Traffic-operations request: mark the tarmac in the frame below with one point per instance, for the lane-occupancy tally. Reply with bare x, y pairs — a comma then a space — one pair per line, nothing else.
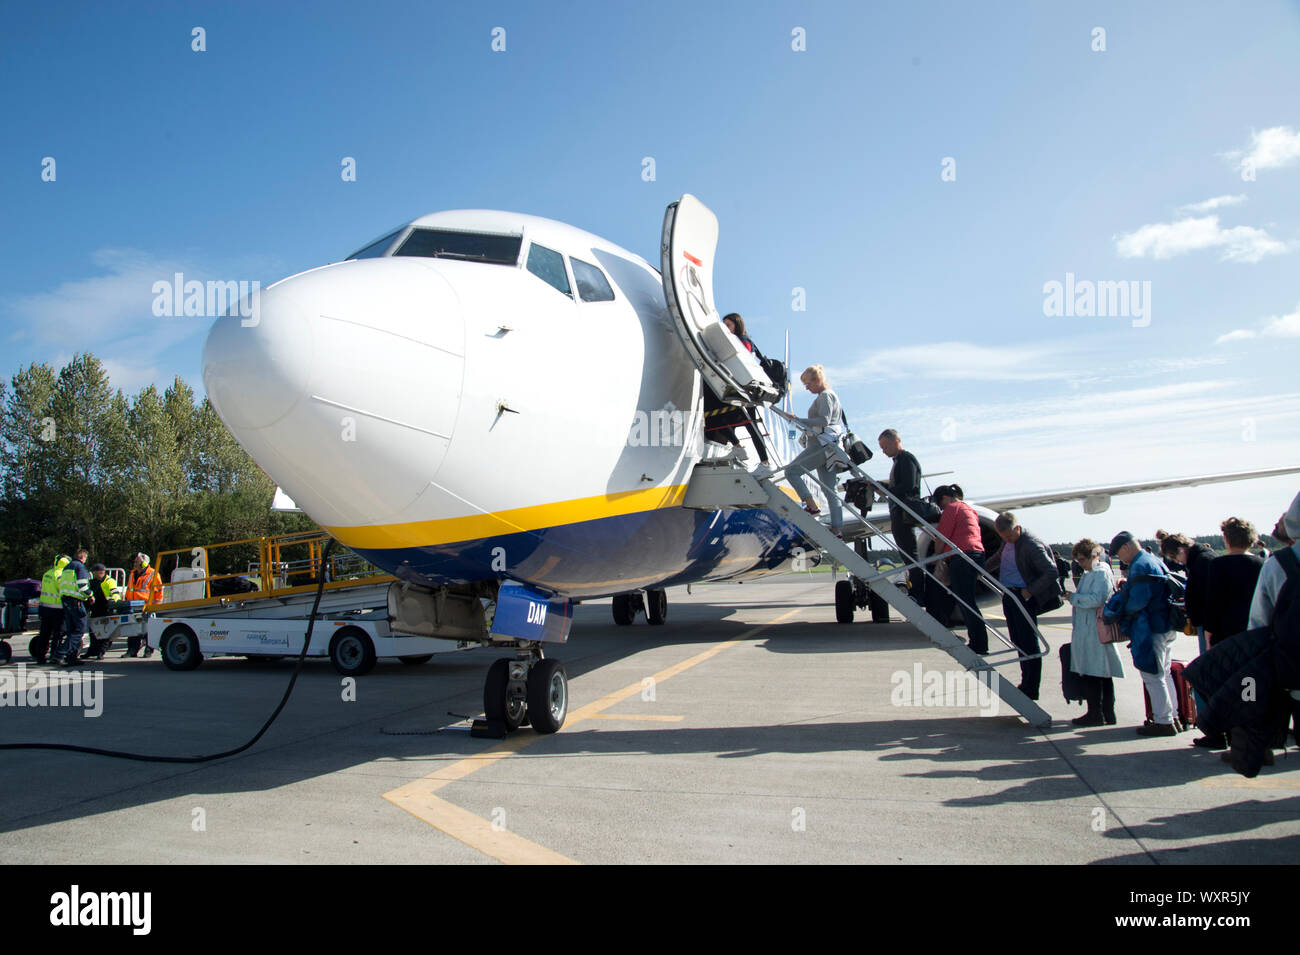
751, 728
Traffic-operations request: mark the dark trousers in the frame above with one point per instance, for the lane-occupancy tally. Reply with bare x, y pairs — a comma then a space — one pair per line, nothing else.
74, 623
1023, 636
51, 632
904, 533
964, 577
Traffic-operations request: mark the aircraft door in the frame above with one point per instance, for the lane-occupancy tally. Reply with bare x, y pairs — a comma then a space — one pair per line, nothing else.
690, 237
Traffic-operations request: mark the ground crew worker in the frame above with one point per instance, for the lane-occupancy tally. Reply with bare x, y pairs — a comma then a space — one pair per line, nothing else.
142, 583
47, 642
74, 588
104, 591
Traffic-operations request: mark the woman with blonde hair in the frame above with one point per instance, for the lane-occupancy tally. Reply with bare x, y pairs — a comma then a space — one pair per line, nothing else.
826, 422
1098, 663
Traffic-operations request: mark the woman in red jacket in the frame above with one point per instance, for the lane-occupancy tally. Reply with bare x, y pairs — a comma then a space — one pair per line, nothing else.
961, 525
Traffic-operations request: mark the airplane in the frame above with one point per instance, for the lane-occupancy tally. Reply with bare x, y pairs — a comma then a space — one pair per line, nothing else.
504, 412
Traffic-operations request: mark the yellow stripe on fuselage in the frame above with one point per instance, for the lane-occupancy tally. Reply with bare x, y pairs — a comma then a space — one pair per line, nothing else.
517, 520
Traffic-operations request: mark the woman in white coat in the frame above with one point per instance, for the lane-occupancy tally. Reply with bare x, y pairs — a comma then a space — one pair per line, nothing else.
1098, 663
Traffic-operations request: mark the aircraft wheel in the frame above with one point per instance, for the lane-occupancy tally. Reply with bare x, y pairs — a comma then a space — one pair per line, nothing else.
39, 648
623, 609
879, 608
351, 652
497, 704
180, 648
656, 607
843, 601
418, 659
548, 696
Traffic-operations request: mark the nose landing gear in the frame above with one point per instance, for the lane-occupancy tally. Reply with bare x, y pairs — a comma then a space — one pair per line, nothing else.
529, 689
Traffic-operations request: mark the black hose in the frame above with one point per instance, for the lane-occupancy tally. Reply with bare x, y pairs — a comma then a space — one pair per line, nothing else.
140, 757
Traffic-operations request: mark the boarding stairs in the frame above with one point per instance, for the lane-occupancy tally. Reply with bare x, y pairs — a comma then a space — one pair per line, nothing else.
718, 485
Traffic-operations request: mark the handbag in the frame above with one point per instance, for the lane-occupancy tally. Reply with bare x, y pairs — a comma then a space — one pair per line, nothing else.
1109, 632
853, 446
942, 572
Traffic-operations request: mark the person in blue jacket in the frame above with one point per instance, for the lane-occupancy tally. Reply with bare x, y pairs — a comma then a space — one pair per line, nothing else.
1142, 608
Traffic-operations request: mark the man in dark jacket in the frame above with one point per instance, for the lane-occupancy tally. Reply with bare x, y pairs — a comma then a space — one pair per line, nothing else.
1026, 567
905, 483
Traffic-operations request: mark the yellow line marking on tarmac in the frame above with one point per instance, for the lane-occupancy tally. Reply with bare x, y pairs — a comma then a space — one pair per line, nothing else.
417, 797
648, 717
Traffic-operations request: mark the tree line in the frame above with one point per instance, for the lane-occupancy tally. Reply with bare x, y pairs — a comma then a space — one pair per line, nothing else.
84, 465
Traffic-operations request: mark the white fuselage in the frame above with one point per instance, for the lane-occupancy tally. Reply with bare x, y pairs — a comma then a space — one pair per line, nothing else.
457, 420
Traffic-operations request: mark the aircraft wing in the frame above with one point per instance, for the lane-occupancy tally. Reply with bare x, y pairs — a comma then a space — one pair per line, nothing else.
1096, 500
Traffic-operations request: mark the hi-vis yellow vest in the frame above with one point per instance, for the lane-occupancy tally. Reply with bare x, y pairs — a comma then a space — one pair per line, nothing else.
50, 585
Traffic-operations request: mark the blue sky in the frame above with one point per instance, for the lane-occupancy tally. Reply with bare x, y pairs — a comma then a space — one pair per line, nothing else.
925, 296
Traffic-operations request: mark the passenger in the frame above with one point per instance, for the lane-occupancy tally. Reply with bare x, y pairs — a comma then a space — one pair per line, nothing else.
1026, 567
904, 483
1143, 607
736, 325
1195, 559
825, 419
1230, 583
1096, 662
960, 524
1229, 588
1276, 669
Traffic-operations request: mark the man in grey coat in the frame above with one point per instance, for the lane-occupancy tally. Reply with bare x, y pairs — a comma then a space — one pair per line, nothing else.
1026, 567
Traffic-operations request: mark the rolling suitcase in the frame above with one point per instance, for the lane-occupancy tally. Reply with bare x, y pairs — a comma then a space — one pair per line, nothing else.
1185, 704
1072, 685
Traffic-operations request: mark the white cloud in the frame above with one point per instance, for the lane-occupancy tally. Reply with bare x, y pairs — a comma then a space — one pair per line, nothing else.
1070, 362
952, 361
1236, 335
1275, 326
1164, 240
1211, 204
1271, 148
1283, 326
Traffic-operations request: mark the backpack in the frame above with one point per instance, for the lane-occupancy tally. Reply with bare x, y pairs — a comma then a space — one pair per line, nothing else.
1175, 601
774, 370
1285, 624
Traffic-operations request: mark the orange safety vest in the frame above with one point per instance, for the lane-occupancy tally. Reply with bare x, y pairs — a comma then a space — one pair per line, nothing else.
145, 585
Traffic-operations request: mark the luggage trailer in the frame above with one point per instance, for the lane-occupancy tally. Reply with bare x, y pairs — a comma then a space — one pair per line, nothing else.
262, 611
352, 629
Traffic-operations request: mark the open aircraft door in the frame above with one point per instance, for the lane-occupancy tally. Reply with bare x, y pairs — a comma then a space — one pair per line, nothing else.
686, 249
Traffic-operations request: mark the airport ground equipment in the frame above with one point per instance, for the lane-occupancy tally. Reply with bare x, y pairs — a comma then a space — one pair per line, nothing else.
253, 598
715, 485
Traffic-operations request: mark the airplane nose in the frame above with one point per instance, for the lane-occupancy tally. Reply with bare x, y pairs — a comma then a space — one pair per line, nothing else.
344, 383
257, 367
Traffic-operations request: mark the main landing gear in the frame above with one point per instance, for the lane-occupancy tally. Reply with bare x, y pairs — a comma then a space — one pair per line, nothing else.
853, 594
653, 603
529, 689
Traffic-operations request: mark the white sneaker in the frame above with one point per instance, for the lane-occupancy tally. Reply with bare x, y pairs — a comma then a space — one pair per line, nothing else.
762, 471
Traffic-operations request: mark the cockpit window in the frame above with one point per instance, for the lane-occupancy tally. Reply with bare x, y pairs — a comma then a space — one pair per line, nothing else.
375, 249
548, 265
591, 282
470, 246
